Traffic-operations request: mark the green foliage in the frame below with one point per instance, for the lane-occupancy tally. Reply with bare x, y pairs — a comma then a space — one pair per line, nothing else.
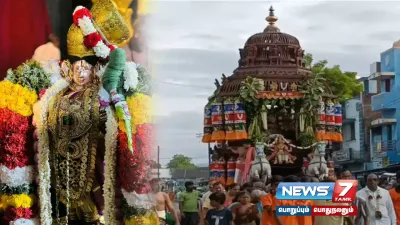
313, 89
250, 88
343, 85
144, 85
30, 75
181, 162
308, 58
129, 211
248, 95
307, 139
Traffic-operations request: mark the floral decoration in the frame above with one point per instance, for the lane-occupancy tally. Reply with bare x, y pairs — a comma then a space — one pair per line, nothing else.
92, 40
18, 213
16, 201
22, 189
141, 110
109, 167
375, 205
131, 76
17, 98
378, 214
133, 167
30, 75
16, 177
43, 152
34, 221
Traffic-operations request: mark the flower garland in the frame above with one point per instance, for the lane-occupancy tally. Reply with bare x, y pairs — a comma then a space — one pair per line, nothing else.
34, 221
23, 189
371, 196
131, 76
30, 75
16, 177
43, 152
18, 213
138, 200
17, 98
18, 94
109, 172
141, 110
16, 201
92, 40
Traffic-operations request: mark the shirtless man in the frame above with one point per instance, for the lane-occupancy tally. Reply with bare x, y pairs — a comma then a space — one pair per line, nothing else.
163, 203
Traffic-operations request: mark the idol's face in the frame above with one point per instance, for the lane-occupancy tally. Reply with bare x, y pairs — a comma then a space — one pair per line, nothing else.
82, 73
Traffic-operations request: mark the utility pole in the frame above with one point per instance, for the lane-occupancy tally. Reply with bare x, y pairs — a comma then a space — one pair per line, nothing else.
158, 162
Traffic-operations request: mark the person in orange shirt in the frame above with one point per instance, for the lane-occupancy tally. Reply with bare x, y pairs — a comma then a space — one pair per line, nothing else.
395, 195
269, 202
289, 220
305, 220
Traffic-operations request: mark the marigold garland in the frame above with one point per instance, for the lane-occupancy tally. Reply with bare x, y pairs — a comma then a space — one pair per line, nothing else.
16, 201
140, 108
17, 98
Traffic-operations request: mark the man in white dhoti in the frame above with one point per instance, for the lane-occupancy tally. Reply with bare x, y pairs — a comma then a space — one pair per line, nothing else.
379, 203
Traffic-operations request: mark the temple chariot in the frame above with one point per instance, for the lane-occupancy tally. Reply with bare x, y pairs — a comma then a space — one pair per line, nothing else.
272, 115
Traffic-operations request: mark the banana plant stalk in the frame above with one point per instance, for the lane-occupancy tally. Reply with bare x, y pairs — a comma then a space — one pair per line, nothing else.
302, 120
264, 116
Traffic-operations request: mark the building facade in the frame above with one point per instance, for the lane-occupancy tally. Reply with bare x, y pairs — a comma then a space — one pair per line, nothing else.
383, 132
351, 154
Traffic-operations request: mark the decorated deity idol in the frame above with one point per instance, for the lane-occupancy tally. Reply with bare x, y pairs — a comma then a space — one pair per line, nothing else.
97, 110
281, 152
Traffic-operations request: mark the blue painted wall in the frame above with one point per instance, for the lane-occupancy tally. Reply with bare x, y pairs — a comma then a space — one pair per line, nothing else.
389, 103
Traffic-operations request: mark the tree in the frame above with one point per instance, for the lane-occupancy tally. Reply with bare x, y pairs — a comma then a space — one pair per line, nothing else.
181, 162
308, 58
343, 85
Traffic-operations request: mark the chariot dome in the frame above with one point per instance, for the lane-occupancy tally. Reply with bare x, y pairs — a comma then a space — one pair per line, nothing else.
270, 55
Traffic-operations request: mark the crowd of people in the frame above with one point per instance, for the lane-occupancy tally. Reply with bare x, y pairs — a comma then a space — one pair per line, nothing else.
254, 203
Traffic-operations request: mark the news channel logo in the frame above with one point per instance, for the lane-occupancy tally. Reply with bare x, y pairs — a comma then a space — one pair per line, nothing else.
343, 191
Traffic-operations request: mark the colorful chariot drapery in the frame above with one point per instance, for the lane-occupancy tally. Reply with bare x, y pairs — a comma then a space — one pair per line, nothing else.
224, 121
230, 171
329, 126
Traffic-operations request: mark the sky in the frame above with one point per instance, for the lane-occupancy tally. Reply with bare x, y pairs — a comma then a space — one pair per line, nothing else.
194, 42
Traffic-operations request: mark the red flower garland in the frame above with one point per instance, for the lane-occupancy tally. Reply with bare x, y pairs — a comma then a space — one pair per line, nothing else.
17, 213
80, 14
12, 162
13, 139
134, 167
92, 39
42, 92
111, 47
